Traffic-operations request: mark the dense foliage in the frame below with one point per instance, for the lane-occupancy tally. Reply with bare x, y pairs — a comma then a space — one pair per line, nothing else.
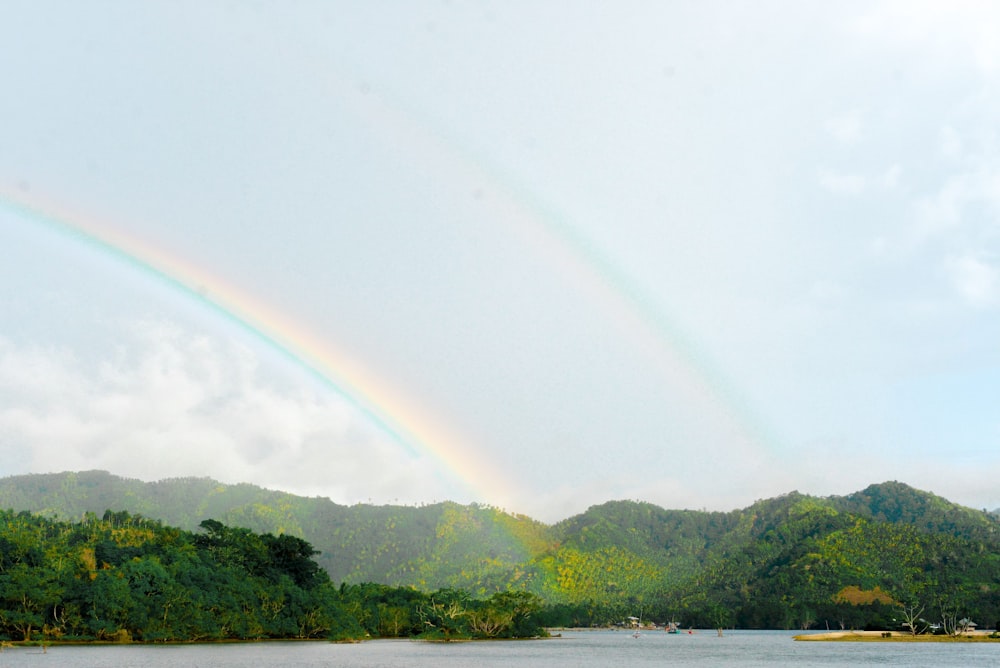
791, 562
438, 546
796, 562
124, 577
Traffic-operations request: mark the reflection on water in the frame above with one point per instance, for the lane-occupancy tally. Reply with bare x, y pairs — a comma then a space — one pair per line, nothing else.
573, 650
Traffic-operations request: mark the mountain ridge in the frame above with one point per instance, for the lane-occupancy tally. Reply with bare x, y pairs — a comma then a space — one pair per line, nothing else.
776, 563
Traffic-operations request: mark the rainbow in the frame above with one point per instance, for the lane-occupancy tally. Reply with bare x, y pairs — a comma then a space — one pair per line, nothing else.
654, 332
387, 408
649, 326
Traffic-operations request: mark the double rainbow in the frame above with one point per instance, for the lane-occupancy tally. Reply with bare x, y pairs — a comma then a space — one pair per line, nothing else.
650, 329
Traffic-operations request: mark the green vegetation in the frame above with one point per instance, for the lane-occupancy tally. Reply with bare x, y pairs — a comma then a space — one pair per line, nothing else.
875, 559
888, 636
126, 578
444, 545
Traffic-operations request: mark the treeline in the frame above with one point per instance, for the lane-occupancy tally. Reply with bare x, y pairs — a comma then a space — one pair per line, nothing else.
435, 546
124, 578
793, 561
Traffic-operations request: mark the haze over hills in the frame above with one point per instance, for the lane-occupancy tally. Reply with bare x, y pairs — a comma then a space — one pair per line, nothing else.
778, 562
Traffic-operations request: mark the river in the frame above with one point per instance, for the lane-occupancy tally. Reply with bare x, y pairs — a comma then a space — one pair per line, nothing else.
578, 649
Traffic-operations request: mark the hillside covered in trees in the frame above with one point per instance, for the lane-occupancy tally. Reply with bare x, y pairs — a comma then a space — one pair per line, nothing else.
794, 561
122, 577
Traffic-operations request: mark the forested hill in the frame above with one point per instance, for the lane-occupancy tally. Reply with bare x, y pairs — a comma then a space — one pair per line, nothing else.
429, 546
780, 562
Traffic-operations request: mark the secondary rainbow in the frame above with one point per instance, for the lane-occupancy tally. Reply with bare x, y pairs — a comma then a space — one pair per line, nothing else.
545, 231
386, 407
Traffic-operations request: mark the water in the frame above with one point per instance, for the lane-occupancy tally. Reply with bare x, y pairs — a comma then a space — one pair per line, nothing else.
587, 649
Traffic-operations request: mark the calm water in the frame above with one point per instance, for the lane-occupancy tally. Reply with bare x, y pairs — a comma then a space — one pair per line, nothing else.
573, 650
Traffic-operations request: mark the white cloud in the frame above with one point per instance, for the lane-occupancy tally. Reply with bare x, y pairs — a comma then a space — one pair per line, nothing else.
941, 32
173, 405
341, 222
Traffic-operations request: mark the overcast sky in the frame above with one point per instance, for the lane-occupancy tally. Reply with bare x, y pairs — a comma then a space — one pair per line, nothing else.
533, 254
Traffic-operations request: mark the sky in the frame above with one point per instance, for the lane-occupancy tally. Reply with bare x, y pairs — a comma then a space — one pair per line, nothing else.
526, 254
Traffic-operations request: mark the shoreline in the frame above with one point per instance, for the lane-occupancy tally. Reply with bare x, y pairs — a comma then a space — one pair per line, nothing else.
50, 642
878, 636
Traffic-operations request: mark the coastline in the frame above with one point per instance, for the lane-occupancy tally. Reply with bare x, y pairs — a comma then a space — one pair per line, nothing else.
878, 636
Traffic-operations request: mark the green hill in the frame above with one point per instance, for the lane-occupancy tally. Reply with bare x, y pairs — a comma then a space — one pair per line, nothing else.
785, 562
434, 546
124, 578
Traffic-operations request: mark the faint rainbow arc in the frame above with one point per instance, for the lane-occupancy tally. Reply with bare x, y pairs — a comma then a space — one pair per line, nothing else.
597, 274
653, 326
387, 409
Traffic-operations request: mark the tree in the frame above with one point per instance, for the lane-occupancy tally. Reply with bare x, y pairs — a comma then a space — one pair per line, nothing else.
106, 604
393, 620
445, 614
293, 557
912, 619
26, 594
